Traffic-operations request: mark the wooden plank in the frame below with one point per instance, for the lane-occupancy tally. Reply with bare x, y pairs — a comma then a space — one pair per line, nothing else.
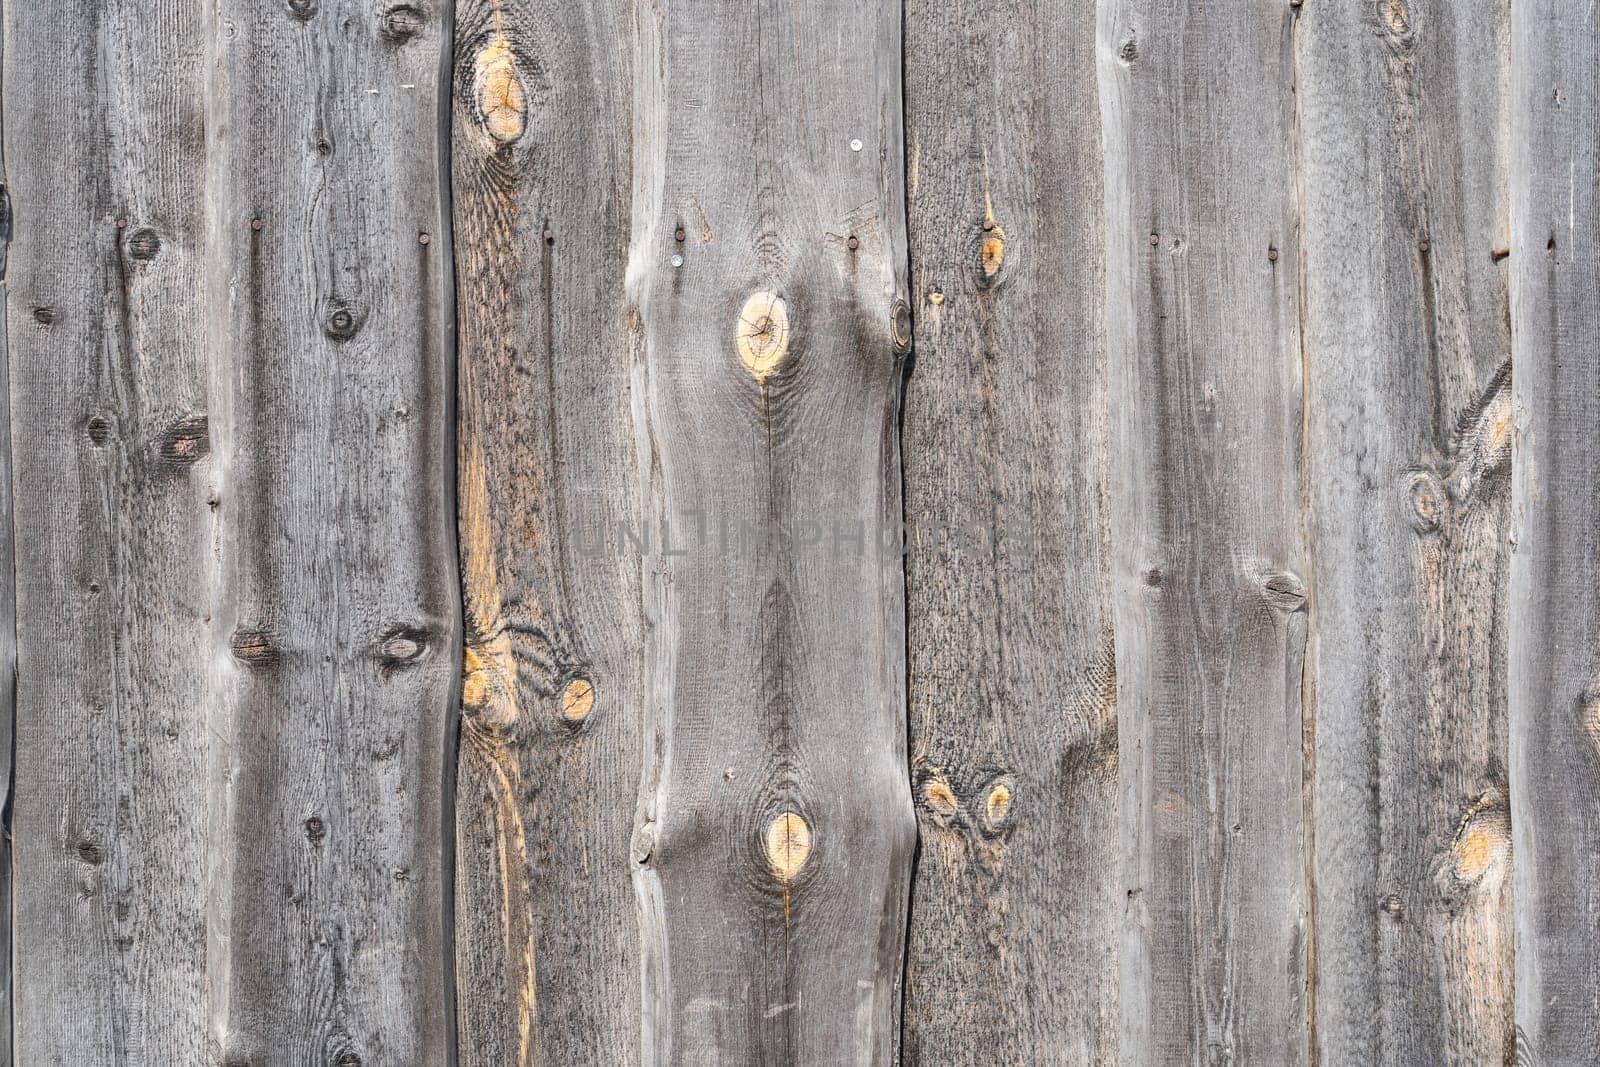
1555, 569
775, 832
105, 314
1404, 150
1209, 561
337, 630
547, 933
1012, 672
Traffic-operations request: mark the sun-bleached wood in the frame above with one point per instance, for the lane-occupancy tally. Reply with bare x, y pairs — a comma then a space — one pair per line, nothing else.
1013, 931
1209, 556
1555, 566
1407, 341
775, 833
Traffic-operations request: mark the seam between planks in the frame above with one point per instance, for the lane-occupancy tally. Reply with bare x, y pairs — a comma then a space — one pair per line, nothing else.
1308, 682
450, 327
907, 367
8, 681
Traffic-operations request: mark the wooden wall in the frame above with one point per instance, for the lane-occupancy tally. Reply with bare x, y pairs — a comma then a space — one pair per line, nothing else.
750, 531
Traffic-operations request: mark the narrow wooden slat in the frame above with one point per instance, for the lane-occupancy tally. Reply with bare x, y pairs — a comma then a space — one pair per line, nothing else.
1209, 559
336, 636
1012, 955
1404, 154
1555, 568
547, 933
105, 310
775, 832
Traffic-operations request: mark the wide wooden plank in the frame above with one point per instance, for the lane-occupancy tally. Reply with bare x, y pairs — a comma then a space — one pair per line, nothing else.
1209, 560
1555, 569
1404, 150
105, 311
336, 634
547, 930
775, 830
1013, 934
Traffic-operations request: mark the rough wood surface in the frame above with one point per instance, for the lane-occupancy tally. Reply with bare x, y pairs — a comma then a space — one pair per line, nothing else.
1209, 567
775, 829
1013, 947
1403, 135
547, 934
1555, 569
105, 315
336, 637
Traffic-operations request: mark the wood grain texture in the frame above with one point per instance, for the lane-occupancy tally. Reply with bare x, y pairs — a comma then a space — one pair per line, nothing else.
1209, 557
547, 934
1013, 947
1555, 569
775, 831
336, 635
105, 314
1404, 150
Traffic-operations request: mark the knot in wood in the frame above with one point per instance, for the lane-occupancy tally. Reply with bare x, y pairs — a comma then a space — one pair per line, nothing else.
993, 253
761, 335
254, 648
1285, 591
185, 441
788, 845
502, 101
900, 327
995, 814
577, 700
144, 245
401, 23
937, 795
1428, 502
342, 324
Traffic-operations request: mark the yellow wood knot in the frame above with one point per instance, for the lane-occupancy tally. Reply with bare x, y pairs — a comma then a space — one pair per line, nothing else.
939, 796
1479, 849
996, 806
762, 334
502, 104
935, 297
1427, 502
1396, 18
994, 253
1484, 841
577, 699
788, 845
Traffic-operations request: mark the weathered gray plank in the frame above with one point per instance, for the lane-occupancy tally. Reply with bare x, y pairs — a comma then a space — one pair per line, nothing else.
105, 323
1012, 955
775, 830
1404, 150
1209, 563
336, 637
547, 931
1555, 569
